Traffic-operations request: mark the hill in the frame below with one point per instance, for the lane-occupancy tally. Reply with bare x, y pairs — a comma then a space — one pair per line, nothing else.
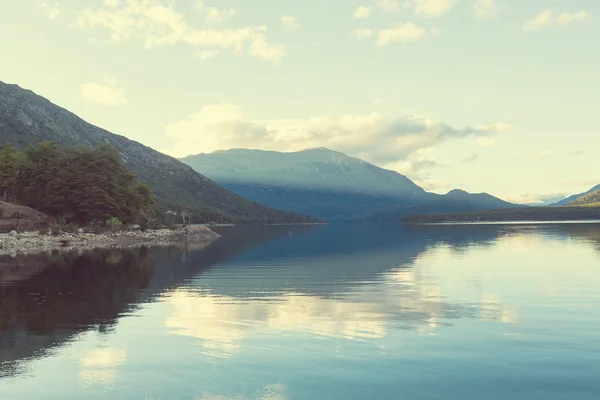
455, 201
26, 118
574, 197
591, 199
566, 213
319, 182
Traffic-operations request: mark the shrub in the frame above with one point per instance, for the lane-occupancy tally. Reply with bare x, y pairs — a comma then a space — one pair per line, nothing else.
70, 228
55, 229
114, 225
44, 230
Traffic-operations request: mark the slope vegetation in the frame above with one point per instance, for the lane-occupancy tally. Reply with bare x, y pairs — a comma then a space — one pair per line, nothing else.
26, 118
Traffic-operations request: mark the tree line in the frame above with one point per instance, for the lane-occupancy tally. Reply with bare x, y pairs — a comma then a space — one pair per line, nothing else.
80, 185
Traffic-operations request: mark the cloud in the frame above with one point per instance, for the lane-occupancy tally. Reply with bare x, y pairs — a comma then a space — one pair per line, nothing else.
390, 6
107, 93
51, 11
290, 22
534, 198
362, 12
371, 137
156, 23
486, 9
547, 18
565, 19
430, 8
408, 32
212, 14
363, 33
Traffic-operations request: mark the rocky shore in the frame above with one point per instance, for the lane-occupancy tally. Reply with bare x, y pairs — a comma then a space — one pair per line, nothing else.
15, 243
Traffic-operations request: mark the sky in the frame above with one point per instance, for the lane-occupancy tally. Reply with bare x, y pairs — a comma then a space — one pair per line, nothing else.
497, 96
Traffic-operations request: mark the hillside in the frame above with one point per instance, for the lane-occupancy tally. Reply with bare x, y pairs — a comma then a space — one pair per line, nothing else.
319, 182
455, 201
574, 197
591, 199
566, 213
26, 118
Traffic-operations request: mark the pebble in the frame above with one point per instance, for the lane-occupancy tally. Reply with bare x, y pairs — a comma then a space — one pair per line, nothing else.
15, 243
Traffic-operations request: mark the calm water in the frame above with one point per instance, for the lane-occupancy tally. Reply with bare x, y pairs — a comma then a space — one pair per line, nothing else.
327, 312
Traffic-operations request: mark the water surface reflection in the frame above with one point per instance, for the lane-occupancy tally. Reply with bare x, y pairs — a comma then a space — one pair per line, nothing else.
285, 306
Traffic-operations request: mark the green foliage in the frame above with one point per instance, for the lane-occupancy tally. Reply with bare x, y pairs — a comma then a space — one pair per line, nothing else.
591, 199
56, 229
79, 185
114, 224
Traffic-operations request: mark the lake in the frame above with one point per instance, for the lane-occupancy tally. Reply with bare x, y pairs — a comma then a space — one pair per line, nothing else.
311, 312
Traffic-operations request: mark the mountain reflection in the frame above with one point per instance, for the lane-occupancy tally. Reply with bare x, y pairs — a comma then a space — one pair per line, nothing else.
355, 282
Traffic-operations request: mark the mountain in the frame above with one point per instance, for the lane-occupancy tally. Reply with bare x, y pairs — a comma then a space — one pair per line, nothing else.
319, 182
590, 199
574, 197
455, 201
26, 118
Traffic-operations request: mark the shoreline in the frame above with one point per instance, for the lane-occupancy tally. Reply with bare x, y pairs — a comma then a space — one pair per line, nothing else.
20, 243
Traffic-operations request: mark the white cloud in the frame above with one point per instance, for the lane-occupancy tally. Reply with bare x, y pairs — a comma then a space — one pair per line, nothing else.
362, 12
388, 5
408, 32
51, 11
430, 8
547, 18
565, 19
543, 19
156, 23
363, 33
212, 14
371, 137
290, 22
111, 3
534, 198
486, 9
107, 93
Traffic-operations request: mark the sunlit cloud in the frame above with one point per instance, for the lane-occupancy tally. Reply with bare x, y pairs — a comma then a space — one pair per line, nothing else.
213, 15
370, 137
406, 33
430, 8
52, 11
156, 23
362, 12
290, 22
548, 18
107, 93
487, 9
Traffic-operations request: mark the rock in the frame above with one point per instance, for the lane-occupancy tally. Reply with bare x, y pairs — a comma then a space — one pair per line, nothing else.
13, 233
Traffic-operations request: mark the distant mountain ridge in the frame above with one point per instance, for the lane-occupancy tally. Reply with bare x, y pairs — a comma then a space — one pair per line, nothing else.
26, 118
329, 184
318, 182
455, 201
317, 169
